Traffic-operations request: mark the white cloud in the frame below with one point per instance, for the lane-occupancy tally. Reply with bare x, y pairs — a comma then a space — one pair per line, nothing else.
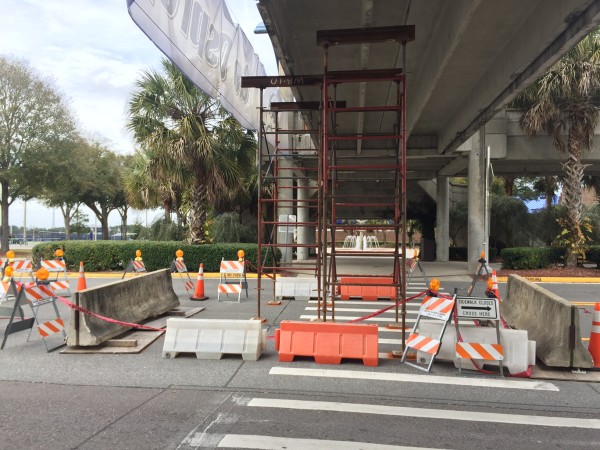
94, 52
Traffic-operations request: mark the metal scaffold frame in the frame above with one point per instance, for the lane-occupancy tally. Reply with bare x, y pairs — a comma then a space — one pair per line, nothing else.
330, 202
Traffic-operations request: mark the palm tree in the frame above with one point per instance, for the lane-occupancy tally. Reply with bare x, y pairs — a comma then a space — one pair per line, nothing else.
190, 141
562, 103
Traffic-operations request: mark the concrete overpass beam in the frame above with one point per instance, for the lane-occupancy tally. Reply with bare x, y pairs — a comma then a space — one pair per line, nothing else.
442, 234
450, 26
475, 222
525, 57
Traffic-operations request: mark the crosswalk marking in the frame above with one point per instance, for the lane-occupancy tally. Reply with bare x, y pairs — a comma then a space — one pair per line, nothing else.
415, 303
378, 319
360, 310
276, 442
470, 416
412, 378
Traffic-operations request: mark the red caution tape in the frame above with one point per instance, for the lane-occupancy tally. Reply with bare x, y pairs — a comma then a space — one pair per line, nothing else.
107, 319
387, 308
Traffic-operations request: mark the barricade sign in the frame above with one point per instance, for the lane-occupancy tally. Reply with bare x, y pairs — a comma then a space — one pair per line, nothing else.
478, 309
57, 267
22, 267
14, 326
36, 296
229, 289
437, 308
233, 272
412, 264
135, 267
178, 265
483, 269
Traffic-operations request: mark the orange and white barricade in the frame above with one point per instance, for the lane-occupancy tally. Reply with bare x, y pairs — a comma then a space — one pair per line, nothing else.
437, 308
413, 263
57, 267
23, 267
135, 266
36, 295
233, 272
229, 289
178, 265
39, 295
15, 325
479, 309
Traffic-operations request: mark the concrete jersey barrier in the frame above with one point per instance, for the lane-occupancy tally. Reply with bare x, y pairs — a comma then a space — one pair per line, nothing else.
550, 320
131, 300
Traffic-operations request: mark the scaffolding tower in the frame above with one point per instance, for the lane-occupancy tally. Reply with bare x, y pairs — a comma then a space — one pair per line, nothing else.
338, 157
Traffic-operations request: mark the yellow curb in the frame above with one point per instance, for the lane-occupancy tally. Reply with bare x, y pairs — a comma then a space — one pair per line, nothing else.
584, 303
130, 274
556, 279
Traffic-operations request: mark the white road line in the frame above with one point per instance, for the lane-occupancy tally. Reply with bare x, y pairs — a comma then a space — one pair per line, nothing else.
276, 443
414, 302
361, 310
412, 378
469, 416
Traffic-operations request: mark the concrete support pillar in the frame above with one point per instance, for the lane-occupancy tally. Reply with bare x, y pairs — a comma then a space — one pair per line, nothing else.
302, 214
285, 209
442, 225
476, 192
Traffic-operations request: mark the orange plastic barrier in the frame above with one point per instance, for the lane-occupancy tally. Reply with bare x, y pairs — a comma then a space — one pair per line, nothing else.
370, 293
327, 342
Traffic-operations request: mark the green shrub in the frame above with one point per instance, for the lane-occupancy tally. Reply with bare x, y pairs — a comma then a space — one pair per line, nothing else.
531, 257
162, 230
457, 253
461, 254
227, 228
593, 255
115, 255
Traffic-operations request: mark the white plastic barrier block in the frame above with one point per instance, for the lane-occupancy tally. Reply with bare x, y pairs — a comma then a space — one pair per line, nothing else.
519, 352
210, 339
299, 288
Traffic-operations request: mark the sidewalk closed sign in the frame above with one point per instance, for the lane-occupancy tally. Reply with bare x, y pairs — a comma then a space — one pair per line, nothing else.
477, 308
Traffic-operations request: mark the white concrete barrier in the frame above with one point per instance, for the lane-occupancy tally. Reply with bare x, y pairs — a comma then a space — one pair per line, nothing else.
298, 288
519, 352
210, 339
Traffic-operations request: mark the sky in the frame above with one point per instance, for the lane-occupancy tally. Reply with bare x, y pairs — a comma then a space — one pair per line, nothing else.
93, 53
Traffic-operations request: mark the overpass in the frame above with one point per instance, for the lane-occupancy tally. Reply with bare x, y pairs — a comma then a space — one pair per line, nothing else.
378, 96
468, 60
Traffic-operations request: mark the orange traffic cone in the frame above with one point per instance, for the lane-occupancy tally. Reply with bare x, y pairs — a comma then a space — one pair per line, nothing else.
81, 284
199, 291
594, 345
495, 284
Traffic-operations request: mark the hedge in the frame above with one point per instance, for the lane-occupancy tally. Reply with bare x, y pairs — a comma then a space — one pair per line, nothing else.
460, 254
593, 255
115, 255
532, 257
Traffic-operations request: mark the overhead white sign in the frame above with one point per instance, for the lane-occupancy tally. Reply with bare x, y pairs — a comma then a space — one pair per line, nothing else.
477, 308
200, 37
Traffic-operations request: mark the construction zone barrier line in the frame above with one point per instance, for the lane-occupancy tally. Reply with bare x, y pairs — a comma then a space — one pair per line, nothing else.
106, 319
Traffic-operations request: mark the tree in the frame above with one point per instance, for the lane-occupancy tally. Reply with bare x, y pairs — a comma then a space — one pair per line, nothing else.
34, 121
106, 193
562, 103
64, 180
187, 135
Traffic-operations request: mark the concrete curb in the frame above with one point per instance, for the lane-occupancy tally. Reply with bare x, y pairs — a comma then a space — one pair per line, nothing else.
556, 279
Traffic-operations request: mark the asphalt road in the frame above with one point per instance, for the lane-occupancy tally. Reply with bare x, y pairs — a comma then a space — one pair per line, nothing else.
142, 401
